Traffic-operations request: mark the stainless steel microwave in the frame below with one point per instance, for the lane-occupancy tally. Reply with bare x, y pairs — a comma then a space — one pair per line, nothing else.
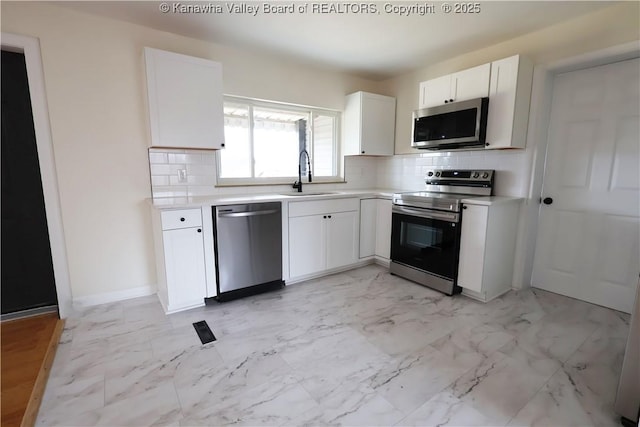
452, 126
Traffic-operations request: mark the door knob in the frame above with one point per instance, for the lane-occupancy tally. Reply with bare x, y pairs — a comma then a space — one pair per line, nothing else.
547, 200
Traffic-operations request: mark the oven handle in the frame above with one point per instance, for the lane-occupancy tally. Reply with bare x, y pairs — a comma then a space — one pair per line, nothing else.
444, 216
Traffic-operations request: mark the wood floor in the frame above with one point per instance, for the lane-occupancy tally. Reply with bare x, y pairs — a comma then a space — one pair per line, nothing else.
28, 347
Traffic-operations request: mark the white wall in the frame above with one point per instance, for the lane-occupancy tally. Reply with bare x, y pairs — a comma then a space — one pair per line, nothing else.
94, 75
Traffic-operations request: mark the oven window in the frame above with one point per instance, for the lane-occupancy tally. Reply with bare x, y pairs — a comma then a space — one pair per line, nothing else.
427, 244
420, 236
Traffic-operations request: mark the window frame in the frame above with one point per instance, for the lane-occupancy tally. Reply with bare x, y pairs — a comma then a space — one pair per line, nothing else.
252, 103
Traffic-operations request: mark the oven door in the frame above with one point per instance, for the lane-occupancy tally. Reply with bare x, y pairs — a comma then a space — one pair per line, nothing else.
426, 240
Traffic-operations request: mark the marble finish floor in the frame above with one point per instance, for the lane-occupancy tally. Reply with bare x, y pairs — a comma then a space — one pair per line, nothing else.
356, 348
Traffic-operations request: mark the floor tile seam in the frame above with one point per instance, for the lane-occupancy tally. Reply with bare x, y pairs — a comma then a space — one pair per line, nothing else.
298, 379
544, 354
175, 390
407, 414
533, 396
290, 372
578, 347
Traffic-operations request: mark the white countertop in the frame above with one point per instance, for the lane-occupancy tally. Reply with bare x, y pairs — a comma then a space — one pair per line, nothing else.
492, 200
228, 199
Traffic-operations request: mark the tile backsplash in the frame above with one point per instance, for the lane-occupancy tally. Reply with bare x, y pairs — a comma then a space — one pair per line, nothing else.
407, 172
400, 172
198, 170
178, 173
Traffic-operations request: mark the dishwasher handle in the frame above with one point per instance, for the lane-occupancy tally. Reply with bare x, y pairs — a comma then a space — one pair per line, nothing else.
248, 213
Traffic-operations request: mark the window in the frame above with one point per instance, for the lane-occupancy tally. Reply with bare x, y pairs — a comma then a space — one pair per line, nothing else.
263, 142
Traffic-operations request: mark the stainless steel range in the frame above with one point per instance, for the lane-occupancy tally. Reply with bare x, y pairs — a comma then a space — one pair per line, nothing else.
425, 233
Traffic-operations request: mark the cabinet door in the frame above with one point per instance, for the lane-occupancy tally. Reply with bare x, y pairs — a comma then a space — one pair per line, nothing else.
378, 125
383, 228
185, 100
510, 94
435, 91
368, 212
342, 239
307, 246
471, 83
472, 247
184, 264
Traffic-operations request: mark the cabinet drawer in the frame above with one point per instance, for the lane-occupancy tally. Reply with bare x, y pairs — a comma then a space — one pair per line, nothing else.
318, 207
183, 218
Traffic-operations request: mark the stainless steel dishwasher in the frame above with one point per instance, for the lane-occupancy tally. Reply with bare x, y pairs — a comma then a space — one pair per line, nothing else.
248, 249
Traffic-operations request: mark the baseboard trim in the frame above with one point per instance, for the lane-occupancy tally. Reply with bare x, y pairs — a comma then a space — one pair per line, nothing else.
383, 262
107, 297
29, 313
363, 262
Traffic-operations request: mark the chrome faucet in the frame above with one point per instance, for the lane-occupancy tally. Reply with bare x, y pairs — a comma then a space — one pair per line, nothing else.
298, 183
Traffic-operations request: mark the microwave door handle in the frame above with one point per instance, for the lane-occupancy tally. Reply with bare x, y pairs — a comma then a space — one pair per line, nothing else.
444, 216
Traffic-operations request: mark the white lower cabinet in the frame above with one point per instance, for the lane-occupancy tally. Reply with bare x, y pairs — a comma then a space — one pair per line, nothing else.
375, 228
322, 235
342, 239
368, 218
184, 265
307, 245
487, 247
383, 228
180, 251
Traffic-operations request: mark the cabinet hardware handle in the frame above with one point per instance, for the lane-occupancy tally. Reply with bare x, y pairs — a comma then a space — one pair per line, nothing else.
325, 217
182, 219
547, 200
446, 102
222, 145
362, 151
199, 230
329, 216
464, 207
451, 100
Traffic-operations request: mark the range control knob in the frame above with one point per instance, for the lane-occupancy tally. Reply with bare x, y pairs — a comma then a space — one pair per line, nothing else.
430, 173
437, 173
485, 175
475, 175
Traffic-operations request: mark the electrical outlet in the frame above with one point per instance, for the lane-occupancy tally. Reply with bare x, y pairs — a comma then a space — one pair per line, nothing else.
182, 175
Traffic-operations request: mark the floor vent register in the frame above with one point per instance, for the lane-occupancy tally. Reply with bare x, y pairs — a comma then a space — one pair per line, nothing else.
204, 332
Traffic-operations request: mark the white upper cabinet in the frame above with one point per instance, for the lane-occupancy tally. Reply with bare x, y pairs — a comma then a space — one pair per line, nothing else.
435, 91
185, 100
461, 86
509, 98
507, 83
471, 83
369, 124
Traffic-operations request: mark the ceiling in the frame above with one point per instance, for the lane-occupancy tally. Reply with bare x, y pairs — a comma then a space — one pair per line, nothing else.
375, 45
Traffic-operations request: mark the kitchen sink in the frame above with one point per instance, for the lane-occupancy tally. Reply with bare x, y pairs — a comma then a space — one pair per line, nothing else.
318, 193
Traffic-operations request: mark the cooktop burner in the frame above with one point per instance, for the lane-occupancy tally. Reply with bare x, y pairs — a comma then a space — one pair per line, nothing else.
446, 189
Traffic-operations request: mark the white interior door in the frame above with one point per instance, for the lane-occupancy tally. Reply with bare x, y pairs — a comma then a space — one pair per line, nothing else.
588, 237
